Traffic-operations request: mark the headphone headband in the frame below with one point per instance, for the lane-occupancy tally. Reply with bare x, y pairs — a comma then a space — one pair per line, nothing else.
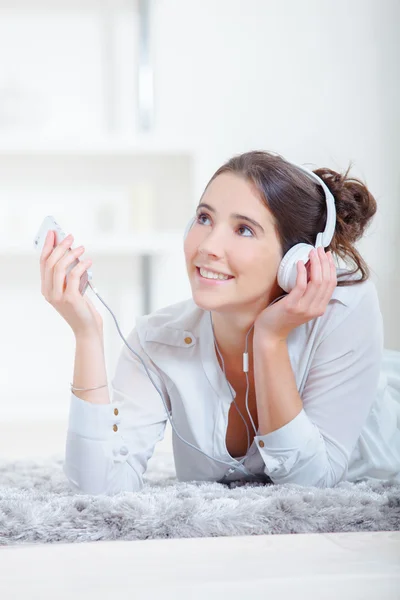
324, 237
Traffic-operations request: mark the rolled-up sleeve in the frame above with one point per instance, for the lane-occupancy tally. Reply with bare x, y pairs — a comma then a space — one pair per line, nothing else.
315, 447
108, 445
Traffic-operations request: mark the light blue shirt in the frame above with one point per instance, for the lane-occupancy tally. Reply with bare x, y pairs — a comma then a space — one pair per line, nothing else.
348, 428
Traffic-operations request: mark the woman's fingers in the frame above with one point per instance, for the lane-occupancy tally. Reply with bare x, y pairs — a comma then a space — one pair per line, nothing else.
60, 270
46, 251
49, 258
72, 287
314, 282
322, 282
326, 276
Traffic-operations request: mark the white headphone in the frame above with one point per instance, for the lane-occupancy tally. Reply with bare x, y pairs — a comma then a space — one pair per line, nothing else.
287, 271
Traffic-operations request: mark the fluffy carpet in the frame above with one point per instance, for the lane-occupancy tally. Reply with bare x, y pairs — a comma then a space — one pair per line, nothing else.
37, 506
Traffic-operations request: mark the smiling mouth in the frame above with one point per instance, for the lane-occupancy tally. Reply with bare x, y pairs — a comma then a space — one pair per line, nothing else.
216, 279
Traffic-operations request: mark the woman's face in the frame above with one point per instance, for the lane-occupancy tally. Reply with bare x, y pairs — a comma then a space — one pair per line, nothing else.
223, 243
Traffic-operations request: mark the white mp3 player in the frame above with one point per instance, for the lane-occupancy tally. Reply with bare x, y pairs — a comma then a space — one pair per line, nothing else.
49, 223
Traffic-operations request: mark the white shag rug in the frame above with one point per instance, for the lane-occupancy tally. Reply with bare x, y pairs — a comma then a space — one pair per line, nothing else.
38, 506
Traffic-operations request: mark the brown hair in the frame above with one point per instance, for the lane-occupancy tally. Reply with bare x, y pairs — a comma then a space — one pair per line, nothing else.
298, 204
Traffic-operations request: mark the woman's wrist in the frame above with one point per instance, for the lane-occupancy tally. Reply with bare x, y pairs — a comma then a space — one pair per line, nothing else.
266, 340
89, 336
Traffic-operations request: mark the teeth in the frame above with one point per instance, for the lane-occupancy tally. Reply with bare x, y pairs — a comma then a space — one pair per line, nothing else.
211, 275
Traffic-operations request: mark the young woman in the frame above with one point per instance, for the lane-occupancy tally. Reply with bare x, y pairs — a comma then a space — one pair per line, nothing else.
320, 401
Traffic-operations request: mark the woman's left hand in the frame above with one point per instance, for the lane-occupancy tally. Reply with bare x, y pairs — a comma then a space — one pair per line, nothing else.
307, 300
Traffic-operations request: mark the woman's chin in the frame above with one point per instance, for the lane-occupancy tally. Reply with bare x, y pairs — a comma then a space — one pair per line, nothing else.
208, 302
202, 302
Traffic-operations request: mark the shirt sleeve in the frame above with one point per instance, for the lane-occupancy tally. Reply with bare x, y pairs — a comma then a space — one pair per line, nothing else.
108, 445
315, 447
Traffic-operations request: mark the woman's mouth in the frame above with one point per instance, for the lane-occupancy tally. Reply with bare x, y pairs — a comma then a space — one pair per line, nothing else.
208, 281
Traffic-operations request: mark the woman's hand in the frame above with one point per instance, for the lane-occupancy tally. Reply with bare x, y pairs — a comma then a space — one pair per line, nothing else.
77, 310
307, 300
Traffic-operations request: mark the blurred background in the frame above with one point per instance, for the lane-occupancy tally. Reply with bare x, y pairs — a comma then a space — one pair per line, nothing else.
114, 114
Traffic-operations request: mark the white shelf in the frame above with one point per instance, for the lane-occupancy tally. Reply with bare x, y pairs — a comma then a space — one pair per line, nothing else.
99, 146
134, 243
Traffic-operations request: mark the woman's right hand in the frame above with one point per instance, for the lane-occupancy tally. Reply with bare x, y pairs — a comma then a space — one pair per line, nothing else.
77, 310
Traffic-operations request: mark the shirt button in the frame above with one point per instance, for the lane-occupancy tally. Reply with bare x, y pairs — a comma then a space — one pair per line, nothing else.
188, 340
261, 444
115, 411
115, 428
123, 450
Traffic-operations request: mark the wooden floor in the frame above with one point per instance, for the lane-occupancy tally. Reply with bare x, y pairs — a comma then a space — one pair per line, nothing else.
364, 566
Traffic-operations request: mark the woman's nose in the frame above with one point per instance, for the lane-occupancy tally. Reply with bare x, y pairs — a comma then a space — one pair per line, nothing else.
213, 241
210, 249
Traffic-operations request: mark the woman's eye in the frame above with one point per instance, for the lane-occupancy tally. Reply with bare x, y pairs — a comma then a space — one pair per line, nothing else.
248, 229
199, 217
241, 227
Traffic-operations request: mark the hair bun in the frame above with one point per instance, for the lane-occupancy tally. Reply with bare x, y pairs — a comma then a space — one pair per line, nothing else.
355, 205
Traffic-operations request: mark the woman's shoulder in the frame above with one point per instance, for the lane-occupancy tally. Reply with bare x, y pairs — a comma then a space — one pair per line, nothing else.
172, 324
351, 295
358, 302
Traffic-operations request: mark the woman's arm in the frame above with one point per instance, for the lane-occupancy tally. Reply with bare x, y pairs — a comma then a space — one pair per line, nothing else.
314, 448
278, 400
90, 369
109, 444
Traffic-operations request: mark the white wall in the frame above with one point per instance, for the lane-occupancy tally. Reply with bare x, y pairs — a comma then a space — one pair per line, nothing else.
316, 81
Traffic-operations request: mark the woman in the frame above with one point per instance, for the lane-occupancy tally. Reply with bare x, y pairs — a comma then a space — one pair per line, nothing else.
318, 404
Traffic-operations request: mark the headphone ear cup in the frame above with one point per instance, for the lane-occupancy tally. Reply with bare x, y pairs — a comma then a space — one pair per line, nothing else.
188, 227
287, 271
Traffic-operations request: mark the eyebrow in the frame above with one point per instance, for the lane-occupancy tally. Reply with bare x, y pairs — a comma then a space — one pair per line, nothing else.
233, 215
